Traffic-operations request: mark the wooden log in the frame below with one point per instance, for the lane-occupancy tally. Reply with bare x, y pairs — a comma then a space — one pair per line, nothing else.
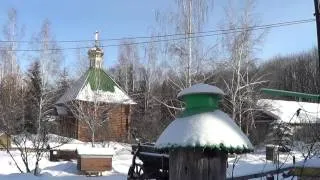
189, 164
115, 129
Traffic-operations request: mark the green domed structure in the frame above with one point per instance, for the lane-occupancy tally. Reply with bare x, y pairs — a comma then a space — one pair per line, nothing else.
200, 140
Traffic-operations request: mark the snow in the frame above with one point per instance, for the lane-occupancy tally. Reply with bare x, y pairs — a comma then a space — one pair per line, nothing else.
54, 141
78, 145
285, 111
201, 89
246, 164
154, 154
61, 110
255, 163
95, 151
121, 162
206, 129
310, 163
118, 96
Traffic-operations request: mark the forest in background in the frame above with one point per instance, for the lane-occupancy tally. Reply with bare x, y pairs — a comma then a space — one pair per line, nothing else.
153, 73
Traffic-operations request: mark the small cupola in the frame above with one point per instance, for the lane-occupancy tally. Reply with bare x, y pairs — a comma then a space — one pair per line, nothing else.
200, 98
200, 140
96, 53
203, 124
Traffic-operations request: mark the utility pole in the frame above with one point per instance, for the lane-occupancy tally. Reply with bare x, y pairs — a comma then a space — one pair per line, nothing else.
316, 14
188, 83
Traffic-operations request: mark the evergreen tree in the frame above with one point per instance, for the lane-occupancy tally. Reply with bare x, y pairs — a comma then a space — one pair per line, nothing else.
33, 97
280, 134
63, 83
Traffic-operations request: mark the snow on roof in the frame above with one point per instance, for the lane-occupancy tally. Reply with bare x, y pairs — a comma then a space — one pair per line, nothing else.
286, 111
118, 96
72, 91
201, 89
96, 85
204, 130
95, 151
61, 110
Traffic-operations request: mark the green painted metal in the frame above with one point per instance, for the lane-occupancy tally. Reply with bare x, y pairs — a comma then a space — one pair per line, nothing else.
276, 92
199, 103
213, 147
99, 80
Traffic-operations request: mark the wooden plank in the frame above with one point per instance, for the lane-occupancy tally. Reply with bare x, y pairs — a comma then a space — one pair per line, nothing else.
258, 175
306, 171
191, 164
96, 164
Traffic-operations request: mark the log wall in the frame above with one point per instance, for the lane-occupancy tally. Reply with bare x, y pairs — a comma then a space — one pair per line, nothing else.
192, 164
67, 126
116, 128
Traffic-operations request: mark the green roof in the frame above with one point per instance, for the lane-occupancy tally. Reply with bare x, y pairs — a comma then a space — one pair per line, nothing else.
100, 80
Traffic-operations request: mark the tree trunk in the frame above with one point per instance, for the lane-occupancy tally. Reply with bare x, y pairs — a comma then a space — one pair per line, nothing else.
92, 138
36, 169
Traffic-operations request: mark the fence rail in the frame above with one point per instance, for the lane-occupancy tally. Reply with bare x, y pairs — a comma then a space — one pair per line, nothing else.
261, 174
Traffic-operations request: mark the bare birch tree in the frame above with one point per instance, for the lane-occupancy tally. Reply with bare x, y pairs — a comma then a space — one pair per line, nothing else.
128, 62
240, 47
95, 107
81, 64
186, 57
32, 106
93, 115
36, 98
12, 32
50, 57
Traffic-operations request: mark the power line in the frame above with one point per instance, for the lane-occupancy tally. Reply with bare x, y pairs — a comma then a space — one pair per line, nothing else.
177, 34
201, 34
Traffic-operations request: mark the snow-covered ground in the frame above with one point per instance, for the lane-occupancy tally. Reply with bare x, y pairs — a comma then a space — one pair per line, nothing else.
254, 163
246, 164
65, 169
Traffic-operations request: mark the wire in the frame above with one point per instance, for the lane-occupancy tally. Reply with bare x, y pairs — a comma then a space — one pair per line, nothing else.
180, 34
204, 34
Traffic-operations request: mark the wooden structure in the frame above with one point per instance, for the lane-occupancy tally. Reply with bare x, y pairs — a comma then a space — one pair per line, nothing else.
116, 128
201, 138
188, 164
94, 160
5, 140
155, 165
92, 88
263, 121
306, 169
301, 117
306, 173
272, 153
65, 155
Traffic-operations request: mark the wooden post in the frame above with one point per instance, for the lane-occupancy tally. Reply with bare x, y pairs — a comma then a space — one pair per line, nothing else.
316, 14
189, 164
